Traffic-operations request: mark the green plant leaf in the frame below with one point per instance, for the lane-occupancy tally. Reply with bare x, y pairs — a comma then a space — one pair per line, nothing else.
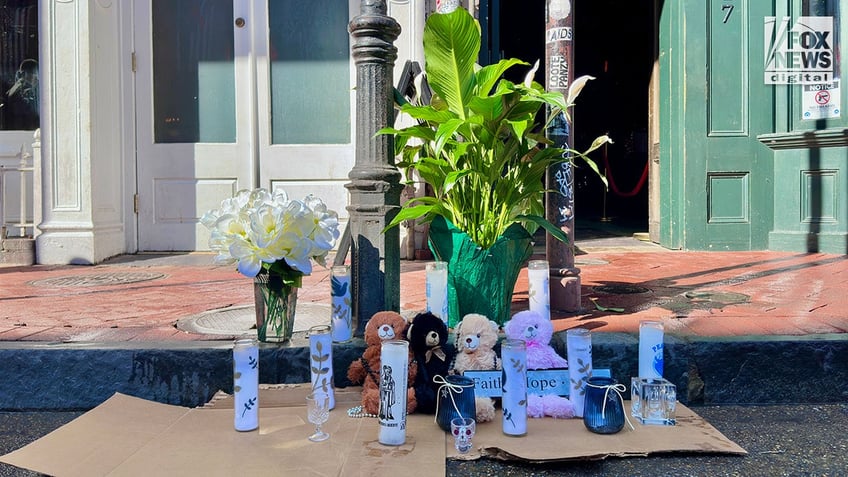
605, 308
555, 232
451, 46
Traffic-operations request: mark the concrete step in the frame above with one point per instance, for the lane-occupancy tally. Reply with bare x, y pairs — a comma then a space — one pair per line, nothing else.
17, 251
79, 376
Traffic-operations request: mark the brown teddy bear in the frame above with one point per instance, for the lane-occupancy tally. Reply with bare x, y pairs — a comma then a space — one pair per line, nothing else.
476, 337
383, 326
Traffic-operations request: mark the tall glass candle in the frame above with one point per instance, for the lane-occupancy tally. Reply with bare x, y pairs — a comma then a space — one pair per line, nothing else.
578, 343
437, 289
246, 384
651, 349
514, 387
321, 363
538, 277
341, 320
394, 356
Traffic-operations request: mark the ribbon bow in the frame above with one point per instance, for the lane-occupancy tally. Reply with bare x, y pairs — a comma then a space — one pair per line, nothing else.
436, 350
452, 389
618, 389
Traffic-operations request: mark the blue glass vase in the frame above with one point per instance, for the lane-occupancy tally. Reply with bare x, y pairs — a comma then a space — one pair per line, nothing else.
455, 399
603, 411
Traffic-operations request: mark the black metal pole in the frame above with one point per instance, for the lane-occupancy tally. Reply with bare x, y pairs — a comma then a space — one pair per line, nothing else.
374, 180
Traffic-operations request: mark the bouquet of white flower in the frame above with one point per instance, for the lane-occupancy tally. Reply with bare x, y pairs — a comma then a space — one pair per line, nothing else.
273, 239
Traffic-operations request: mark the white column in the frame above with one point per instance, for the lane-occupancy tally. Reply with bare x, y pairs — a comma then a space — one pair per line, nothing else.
82, 121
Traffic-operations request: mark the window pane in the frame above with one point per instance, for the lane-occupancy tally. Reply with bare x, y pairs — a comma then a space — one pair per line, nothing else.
18, 65
310, 72
193, 71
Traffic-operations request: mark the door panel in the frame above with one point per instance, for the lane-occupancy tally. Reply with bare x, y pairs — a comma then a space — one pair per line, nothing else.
233, 95
193, 141
304, 129
726, 172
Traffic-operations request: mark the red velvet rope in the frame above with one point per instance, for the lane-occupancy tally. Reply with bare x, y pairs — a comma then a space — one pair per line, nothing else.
615, 188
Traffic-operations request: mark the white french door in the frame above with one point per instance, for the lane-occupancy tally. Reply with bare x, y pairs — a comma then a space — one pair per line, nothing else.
234, 94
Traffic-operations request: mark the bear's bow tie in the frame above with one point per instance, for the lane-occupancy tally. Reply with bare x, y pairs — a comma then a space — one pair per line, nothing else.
434, 351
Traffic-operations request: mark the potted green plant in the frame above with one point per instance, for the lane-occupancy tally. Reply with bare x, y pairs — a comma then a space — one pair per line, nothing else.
481, 148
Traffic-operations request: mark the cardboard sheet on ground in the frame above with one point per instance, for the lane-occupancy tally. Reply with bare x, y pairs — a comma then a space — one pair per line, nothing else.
131, 436
550, 440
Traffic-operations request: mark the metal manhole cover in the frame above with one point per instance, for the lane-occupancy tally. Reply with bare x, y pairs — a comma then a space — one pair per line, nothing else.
621, 289
98, 279
238, 320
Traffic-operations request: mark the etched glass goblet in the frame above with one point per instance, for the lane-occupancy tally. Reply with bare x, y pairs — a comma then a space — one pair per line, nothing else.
317, 412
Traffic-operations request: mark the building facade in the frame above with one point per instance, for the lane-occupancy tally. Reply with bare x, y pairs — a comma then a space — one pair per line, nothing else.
152, 111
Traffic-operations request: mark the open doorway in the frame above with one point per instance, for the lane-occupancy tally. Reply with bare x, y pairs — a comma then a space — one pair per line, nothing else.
614, 43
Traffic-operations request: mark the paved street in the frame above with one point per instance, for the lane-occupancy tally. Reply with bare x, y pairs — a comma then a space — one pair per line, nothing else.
786, 440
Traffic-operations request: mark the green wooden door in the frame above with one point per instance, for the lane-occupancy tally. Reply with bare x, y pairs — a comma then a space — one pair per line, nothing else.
716, 177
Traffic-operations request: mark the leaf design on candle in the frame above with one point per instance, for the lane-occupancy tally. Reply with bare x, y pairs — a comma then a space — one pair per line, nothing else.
508, 416
517, 365
317, 367
236, 374
338, 287
253, 362
236, 388
248, 406
583, 367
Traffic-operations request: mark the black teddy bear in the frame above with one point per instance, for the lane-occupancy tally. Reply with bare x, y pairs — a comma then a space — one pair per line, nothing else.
428, 338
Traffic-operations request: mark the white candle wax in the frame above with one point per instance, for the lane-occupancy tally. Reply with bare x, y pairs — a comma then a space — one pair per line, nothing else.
538, 277
321, 362
578, 342
341, 320
650, 349
514, 387
246, 384
436, 279
394, 357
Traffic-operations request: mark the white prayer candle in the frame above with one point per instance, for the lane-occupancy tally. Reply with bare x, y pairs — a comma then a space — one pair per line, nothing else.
538, 277
321, 362
436, 279
341, 320
651, 349
514, 387
578, 342
246, 384
394, 358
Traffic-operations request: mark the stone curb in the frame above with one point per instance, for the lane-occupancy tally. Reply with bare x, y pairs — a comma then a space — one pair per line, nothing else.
79, 376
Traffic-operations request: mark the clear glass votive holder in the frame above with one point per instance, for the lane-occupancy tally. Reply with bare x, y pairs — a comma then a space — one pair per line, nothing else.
653, 401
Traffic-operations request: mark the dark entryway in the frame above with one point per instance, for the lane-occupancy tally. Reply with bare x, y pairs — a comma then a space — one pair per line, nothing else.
614, 43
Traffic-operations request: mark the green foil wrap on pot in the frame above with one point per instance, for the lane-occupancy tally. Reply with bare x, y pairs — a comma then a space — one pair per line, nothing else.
480, 281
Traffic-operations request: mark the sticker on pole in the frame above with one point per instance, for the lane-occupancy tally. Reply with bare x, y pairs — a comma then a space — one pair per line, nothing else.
821, 101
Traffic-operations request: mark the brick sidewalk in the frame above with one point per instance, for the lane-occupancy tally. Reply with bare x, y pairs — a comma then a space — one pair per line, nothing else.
693, 293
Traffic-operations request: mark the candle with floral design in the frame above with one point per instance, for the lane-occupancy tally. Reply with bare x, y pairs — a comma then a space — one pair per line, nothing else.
321, 362
578, 344
340, 293
514, 387
246, 384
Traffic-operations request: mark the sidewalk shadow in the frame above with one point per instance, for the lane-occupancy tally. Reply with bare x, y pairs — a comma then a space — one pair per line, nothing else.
683, 298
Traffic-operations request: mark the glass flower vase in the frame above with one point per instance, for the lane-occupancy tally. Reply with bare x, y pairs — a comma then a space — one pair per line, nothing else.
603, 411
275, 306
